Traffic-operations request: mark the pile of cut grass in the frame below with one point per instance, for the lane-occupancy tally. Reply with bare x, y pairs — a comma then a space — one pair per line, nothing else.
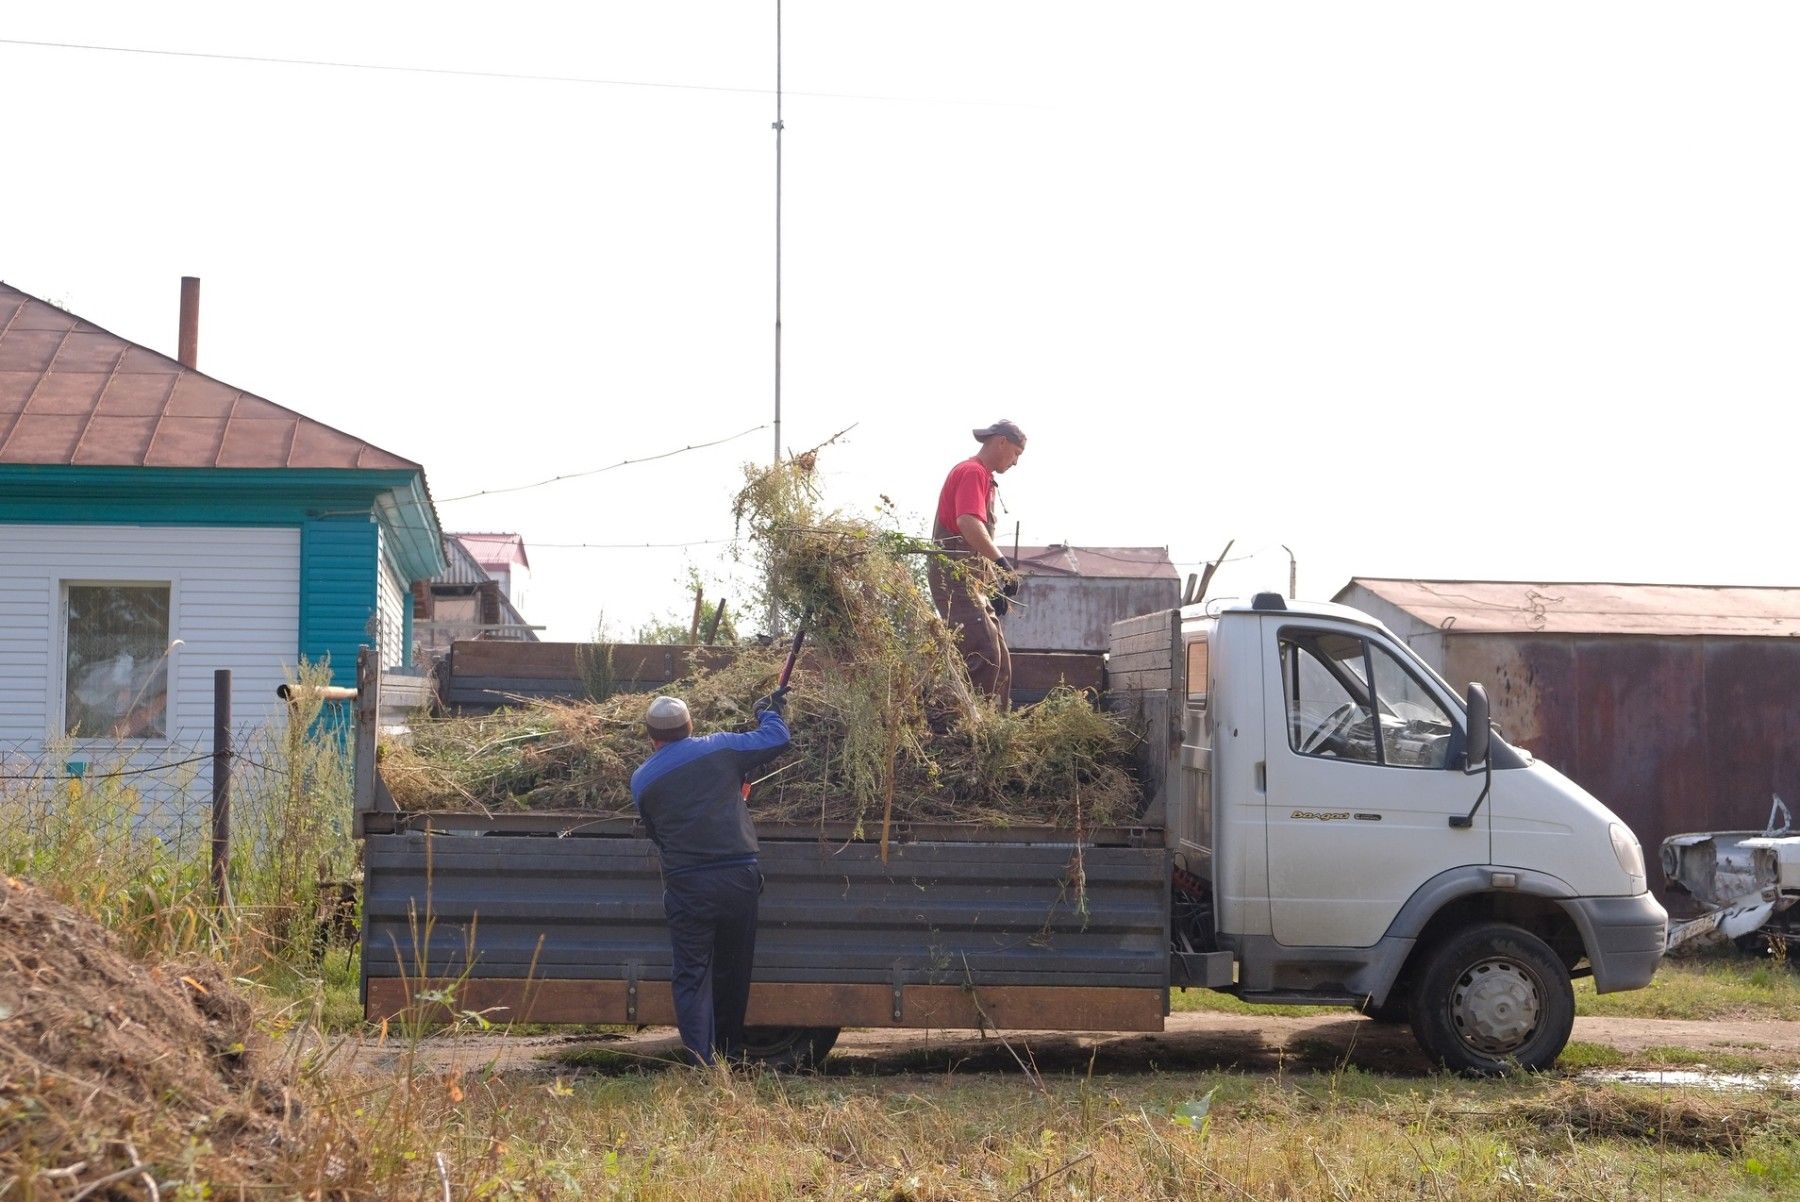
1059, 762
887, 728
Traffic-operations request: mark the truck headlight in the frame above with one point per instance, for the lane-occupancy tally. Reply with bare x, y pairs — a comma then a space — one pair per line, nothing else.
1625, 847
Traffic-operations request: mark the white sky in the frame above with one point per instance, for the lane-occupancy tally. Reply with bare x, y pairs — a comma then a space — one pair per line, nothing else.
1429, 289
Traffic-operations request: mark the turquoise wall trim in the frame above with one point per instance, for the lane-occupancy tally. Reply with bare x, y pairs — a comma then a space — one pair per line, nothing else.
336, 511
339, 565
152, 496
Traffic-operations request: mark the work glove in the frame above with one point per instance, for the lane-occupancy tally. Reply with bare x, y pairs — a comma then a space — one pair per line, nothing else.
1009, 578
999, 604
776, 701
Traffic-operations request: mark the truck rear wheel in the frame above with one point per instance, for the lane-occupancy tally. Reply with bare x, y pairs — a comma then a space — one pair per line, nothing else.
789, 1049
1491, 999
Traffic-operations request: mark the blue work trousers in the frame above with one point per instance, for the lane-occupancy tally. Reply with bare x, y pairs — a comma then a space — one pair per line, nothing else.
712, 931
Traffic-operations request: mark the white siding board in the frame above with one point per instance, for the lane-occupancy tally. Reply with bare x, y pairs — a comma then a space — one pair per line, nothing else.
391, 594
236, 593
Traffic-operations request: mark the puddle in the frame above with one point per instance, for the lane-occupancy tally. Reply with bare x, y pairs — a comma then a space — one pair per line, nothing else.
1693, 1079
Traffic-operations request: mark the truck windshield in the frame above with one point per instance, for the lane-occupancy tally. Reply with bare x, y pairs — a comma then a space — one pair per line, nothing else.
1333, 712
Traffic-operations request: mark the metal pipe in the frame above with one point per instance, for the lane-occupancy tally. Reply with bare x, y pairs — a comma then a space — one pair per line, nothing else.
774, 609
330, 692
777, 127
187, 346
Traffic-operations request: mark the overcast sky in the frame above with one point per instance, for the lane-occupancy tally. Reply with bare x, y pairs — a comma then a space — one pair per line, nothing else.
1422, 290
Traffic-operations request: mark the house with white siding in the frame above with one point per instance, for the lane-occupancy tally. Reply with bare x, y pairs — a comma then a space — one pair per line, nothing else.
157, 524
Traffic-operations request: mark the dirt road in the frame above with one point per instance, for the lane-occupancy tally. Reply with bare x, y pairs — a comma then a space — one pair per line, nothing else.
1192, 1043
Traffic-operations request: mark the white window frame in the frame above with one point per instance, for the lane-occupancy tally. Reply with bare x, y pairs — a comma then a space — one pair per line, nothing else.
59, 666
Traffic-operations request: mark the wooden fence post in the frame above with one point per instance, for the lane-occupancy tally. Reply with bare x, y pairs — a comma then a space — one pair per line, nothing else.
221, 788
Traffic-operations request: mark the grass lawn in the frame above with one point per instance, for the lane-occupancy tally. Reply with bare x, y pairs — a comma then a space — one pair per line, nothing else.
681, 1134
612, 1127
1712, 985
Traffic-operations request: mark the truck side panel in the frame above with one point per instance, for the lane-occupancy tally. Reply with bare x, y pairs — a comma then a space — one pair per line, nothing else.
937, 916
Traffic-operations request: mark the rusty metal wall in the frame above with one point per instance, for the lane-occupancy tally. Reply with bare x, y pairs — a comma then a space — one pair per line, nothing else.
1077, 613
1672, 734
516, 906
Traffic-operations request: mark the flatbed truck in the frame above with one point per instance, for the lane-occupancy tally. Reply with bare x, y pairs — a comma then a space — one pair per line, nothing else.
1325, 822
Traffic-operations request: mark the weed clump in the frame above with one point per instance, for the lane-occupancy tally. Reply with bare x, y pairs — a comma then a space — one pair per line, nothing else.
887, 726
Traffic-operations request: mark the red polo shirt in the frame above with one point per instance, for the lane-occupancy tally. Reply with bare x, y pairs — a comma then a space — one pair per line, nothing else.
966, 490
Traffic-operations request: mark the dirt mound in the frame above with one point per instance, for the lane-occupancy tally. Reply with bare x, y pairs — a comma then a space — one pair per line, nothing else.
114, 1074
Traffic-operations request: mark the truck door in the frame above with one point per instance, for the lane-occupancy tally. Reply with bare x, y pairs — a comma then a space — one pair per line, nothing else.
1363, 774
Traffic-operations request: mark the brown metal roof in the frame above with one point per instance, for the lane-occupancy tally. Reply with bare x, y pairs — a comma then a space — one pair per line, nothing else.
74, 394
1129, 563
1499, 606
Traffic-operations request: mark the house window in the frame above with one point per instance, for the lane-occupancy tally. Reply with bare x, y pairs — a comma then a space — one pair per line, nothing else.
116, 679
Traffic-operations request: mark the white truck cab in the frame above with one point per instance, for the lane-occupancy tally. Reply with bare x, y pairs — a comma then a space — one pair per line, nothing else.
1345, 827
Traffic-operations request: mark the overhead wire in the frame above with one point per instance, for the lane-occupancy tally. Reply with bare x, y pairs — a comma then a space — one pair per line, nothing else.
698, 446
469, 73
693, 542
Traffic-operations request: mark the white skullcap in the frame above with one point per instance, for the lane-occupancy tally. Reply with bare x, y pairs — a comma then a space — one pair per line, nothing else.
667, 713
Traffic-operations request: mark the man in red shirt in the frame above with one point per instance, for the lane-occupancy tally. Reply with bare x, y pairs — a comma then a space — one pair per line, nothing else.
971, 582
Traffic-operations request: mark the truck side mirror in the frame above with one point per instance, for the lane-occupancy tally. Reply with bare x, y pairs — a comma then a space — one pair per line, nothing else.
1478, 725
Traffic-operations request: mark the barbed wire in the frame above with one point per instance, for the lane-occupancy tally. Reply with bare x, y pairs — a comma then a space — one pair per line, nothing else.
247, 758
164, 767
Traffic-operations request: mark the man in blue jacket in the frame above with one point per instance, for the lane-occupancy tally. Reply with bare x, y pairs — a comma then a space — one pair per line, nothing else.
690, 796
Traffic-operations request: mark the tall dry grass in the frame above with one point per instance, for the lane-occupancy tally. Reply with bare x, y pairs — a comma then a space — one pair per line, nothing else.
133, 847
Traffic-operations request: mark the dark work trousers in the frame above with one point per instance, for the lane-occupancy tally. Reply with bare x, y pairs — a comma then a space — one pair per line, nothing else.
959, 588
712, 930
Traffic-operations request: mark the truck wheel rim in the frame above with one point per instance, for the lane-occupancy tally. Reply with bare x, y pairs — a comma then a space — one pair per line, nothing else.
1495, 1006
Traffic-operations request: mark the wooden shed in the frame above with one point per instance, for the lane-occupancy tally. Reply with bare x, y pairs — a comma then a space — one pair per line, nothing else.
1071, 596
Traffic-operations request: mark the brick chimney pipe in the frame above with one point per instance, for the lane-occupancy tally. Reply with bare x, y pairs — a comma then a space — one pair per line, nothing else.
188, 347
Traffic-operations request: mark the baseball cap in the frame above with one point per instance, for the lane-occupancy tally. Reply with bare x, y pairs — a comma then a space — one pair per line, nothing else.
667, 713
1005, 429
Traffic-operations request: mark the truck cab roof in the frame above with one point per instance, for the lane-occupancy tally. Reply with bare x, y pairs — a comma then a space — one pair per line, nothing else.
1276, 603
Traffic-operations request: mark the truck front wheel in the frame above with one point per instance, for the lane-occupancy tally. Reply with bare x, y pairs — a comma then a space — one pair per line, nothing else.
1493, 998
789, 1049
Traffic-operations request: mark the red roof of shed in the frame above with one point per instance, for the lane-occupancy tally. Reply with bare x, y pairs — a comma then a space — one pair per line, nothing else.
494, 550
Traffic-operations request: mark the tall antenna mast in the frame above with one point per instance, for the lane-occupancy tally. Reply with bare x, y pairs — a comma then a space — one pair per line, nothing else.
774, 609
778, 128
